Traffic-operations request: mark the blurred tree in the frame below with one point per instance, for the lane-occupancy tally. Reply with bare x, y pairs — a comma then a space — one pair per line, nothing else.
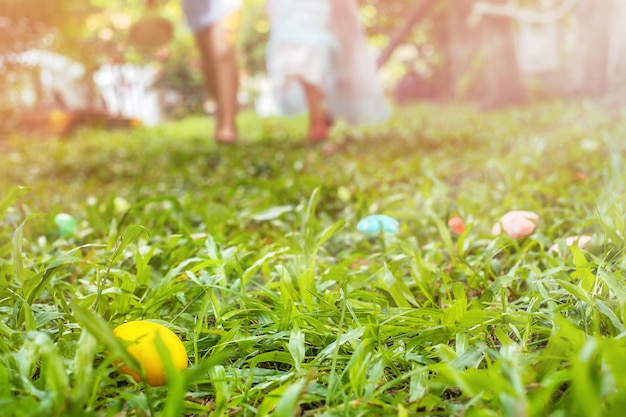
593, 47
416, 14
473, 61
35, 23
254, 34
26, 25
501, 76
462, 48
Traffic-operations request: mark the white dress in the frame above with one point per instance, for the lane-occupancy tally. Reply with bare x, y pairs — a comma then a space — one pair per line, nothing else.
322, 43
201, 14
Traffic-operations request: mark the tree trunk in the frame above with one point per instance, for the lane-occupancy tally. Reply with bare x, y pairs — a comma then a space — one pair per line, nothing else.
482, 59
591, 67
617, 53
504, 85
463, 44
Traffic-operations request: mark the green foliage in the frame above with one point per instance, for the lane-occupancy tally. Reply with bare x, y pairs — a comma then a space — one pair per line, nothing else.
250, 254
253, 36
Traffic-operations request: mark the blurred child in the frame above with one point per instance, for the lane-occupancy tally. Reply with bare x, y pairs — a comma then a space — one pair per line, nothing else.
215, 24
317, 47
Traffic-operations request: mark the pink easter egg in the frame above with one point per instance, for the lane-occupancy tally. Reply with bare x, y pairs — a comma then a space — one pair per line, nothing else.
516, 224
582, 241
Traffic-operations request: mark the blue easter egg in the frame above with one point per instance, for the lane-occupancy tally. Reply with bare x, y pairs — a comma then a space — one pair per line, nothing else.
376, 223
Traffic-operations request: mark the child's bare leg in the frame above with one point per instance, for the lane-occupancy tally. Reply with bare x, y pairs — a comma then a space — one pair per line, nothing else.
219, 64
318, 120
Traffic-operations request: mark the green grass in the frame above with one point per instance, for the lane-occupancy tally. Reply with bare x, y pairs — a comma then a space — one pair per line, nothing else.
251, 255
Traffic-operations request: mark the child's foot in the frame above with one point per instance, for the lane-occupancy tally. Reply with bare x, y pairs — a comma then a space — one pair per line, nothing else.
226, 136
319, 129
318, 133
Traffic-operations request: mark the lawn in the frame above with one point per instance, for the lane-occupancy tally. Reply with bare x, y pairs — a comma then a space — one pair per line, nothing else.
252, 256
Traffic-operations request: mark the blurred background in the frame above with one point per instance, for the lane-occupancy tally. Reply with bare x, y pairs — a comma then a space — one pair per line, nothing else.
120, 63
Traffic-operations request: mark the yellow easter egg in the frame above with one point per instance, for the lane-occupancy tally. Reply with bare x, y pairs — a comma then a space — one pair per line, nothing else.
140, 338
